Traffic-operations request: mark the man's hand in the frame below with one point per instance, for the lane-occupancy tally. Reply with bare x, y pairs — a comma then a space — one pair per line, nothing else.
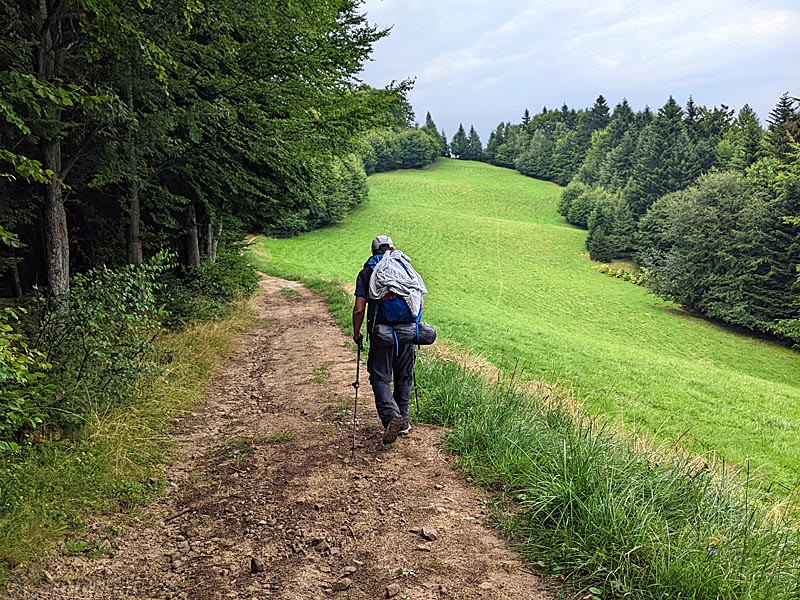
359, 340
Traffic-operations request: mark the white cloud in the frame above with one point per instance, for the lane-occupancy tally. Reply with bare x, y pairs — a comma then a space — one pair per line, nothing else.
515, 53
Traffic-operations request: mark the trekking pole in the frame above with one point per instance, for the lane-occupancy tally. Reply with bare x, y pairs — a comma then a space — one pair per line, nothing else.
416, 397
355, 404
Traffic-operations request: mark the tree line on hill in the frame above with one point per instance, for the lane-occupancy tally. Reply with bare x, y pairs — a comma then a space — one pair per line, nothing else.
705, 200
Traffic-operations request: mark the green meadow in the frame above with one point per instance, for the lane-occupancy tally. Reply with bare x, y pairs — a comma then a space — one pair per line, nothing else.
509, 280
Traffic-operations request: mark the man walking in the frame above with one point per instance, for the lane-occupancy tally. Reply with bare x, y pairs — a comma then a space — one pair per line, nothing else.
385, 362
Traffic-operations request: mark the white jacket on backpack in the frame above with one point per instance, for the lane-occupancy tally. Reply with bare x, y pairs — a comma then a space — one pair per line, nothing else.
394, 273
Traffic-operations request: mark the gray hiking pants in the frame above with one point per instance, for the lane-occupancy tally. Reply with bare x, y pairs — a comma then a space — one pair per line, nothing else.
382, 363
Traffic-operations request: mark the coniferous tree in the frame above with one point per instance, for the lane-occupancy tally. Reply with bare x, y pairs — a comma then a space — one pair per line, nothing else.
598, 117
526, 120
459, 145
474, 149
433, 132
496, 139
784, 127
742, 144
664, 159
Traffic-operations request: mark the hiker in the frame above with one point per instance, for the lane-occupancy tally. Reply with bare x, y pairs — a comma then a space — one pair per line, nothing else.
386, 288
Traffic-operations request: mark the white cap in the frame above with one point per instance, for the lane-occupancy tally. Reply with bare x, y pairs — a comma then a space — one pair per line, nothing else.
382, 240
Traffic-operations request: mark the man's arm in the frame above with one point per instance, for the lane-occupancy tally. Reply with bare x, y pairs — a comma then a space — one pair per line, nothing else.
358, 318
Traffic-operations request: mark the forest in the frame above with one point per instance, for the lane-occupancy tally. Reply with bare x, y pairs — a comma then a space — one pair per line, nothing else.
704, 200
139, 142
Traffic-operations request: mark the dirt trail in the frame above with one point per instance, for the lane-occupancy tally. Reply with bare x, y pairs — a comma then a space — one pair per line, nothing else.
264, 470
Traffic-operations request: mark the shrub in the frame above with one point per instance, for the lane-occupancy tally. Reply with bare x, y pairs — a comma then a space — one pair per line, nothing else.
21, 368
204, 292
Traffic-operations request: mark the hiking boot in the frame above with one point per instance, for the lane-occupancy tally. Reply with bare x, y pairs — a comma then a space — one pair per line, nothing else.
405, 431
392, 429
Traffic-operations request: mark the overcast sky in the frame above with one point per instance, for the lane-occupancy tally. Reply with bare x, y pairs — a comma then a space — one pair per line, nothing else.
484, 61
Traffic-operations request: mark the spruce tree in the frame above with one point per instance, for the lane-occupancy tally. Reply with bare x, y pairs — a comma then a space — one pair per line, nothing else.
665, 159
526, 120
474, 148
784, 126
458, 145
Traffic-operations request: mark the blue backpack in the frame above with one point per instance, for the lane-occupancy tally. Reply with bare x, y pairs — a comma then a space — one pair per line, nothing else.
392, 309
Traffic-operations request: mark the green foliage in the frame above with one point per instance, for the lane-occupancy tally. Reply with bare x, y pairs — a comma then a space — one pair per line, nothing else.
21, 369
176, 117
49, 489
459, 145
611, 227
98, 339
723, 247
636, 278
391, 149
206, 292
570, 194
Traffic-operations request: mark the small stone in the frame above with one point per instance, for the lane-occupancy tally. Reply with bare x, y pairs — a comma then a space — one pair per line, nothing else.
177, 564
424, 547
322, 547
486, 585
349, 570
343, 584
392, 590
256, 565
430, 534
325, 569
358, 563
439, 486
335, 550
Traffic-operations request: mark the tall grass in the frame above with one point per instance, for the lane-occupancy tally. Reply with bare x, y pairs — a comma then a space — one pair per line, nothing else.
590, 505
48, 489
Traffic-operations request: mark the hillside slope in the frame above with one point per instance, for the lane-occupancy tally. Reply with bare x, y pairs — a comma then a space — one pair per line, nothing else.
509, 280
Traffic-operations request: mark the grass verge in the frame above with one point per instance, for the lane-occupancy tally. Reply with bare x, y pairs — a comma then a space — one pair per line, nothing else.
610, 516
47, 490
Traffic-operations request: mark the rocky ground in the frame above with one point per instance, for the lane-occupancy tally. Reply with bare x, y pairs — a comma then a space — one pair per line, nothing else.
266, 499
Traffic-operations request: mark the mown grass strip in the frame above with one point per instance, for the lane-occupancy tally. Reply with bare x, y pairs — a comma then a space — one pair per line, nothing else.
611, 515
47, 490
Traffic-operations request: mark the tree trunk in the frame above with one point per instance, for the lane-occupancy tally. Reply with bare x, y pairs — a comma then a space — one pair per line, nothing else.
16, 280
216, 243
48, 60
55, 218
134, 206
213, 242
192, 241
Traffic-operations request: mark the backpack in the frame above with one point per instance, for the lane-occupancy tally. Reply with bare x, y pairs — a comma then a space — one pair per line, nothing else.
392, 309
